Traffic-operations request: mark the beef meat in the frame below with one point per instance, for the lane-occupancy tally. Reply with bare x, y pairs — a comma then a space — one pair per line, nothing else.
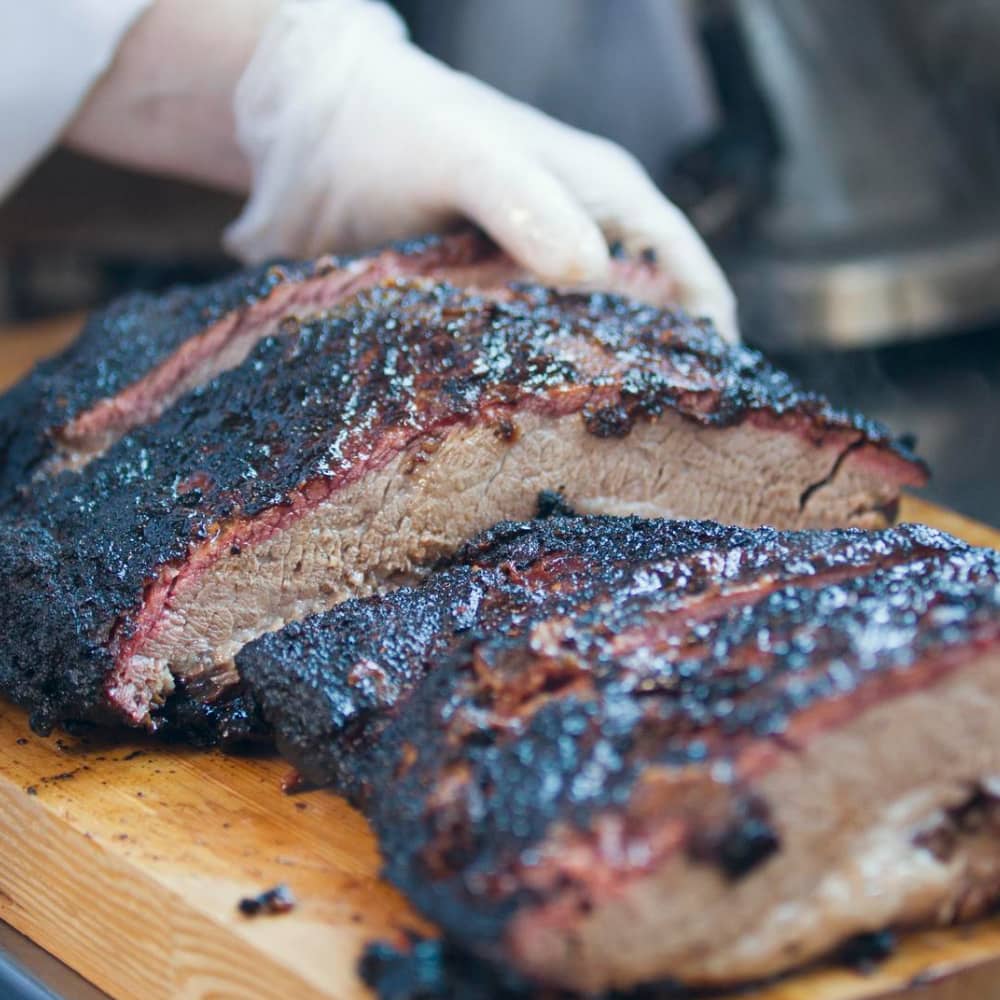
135, 359
353, 449
607, 751
330, 682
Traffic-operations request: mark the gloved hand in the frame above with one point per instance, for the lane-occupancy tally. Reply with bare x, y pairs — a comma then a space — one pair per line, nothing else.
355, 137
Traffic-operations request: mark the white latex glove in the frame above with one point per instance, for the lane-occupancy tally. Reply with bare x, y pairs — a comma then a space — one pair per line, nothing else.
51, 52
356, 137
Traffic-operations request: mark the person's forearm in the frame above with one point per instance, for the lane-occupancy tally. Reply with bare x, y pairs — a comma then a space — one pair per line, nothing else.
346, 136
166, 103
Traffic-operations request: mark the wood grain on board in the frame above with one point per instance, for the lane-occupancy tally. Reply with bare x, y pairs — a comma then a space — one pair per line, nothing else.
127, 860
22, 345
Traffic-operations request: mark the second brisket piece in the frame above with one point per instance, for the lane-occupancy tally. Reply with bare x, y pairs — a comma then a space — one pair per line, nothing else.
609, 751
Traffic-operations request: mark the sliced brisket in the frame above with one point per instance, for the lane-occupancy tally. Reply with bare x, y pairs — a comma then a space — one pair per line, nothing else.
353, 449
608, 751
136, 358
362, 658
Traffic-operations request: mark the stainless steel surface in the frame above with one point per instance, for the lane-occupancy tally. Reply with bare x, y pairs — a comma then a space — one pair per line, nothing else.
883, 221
27, 972
869, 293
863, 148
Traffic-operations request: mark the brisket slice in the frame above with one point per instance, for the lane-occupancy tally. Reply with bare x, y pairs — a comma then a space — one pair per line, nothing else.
607, 751
330, 682
354, 449
136, 358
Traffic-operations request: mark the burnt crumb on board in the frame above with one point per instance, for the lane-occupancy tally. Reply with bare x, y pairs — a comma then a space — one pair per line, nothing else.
50, 779
551, 503
63, 775
134, 754
276, 900
864, 952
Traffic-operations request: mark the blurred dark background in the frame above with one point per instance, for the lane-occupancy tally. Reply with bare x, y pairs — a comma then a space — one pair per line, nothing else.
841, 158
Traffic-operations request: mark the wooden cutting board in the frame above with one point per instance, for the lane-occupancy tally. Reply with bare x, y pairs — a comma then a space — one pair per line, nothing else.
127, 861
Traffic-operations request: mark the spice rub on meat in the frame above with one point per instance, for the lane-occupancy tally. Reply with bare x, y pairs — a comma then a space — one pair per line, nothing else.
608, 751
350, 450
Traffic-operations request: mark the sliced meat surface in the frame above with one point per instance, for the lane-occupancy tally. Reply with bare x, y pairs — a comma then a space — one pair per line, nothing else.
330, 682
352, 450
687, 752
136, 358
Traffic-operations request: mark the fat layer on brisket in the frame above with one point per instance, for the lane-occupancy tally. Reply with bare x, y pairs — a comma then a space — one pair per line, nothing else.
352, 449
136, 358
609, 751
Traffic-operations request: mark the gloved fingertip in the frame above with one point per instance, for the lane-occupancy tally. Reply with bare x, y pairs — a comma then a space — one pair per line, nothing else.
720, 309
570, 259
538, 222
728, 327
236, 244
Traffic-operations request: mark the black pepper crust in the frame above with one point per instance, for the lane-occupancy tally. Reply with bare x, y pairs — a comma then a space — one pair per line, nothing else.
667, 651
127, 340
329, 683
117, 347
561, 724
434, 969
51, 657
232, 720
318, 402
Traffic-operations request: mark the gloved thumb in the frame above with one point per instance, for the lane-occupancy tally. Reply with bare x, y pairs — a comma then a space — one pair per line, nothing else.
534, 218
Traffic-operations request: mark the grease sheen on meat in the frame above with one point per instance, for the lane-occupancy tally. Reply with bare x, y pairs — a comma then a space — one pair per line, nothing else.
141, 354
351, 449
609, 751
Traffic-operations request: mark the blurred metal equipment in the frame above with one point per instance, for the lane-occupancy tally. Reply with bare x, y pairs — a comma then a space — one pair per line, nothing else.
630, 71
854, 189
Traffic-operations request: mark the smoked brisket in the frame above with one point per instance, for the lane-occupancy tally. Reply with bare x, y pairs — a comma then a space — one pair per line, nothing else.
133, 360
350, 449
606, 751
